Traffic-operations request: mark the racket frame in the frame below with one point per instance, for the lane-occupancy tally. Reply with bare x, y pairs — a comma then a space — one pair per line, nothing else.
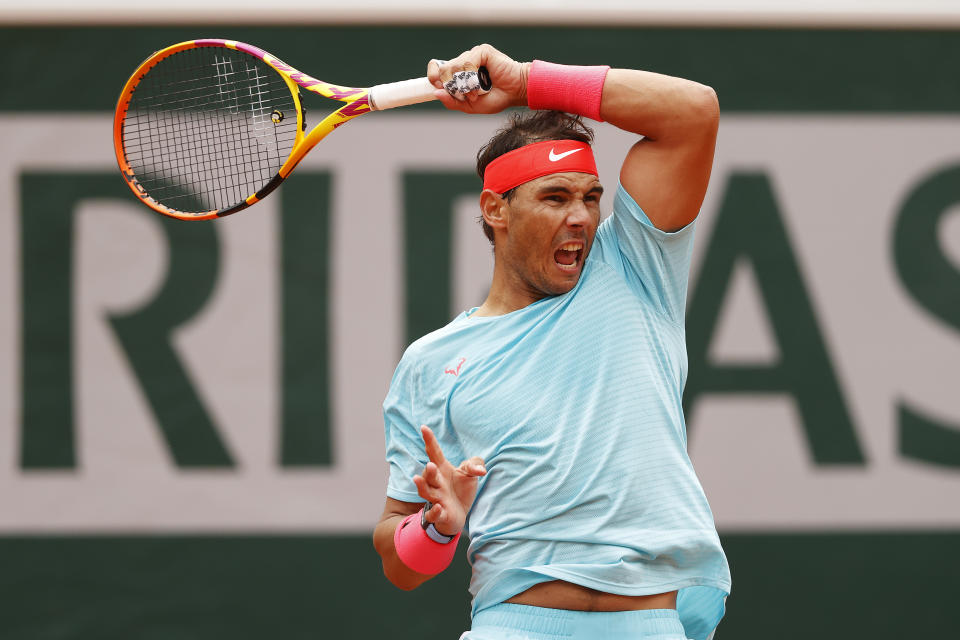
358, 101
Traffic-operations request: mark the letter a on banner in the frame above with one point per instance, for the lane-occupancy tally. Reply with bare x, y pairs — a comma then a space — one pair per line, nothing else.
749, 227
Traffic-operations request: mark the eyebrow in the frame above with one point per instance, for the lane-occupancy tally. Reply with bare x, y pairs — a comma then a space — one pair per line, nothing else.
556, 188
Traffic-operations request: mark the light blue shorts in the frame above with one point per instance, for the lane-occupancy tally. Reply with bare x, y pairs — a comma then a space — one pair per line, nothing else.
522, 622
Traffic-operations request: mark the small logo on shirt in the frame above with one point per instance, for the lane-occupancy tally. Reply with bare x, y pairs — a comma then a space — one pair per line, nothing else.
456, 371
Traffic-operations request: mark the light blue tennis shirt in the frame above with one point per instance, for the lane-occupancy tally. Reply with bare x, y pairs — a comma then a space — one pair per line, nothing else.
574, 403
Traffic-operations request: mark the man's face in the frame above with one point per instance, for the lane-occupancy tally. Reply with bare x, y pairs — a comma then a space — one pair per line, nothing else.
551, 222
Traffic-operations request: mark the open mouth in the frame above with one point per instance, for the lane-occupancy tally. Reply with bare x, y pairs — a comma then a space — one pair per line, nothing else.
569, 256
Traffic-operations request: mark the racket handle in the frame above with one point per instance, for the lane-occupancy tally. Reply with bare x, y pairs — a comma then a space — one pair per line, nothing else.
405, 92
400, 94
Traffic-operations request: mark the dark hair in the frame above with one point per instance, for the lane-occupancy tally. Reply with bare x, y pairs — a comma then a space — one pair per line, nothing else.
526, 127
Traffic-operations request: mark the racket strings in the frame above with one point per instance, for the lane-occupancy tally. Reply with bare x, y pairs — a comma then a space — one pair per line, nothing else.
199, 133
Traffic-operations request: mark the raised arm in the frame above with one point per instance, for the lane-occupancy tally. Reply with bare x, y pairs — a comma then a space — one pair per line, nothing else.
667, 171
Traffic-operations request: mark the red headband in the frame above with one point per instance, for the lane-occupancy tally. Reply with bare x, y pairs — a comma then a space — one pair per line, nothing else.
537, 160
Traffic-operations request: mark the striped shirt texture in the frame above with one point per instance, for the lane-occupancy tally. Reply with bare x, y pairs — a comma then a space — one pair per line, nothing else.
574, 403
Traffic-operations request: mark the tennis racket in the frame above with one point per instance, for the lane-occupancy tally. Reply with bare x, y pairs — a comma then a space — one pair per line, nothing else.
206, 128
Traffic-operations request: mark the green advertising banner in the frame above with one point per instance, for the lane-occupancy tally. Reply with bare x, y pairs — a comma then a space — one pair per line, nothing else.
191, 443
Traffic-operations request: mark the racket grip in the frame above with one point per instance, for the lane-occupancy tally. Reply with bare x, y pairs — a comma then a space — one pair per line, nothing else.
417, 90
400, 94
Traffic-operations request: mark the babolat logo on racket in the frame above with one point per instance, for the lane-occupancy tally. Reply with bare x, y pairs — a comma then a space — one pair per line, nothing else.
353, 109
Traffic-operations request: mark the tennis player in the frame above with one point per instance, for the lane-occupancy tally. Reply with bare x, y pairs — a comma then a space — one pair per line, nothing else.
547, 423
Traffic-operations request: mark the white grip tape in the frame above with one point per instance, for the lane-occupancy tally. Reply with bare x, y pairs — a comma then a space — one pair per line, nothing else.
399, 94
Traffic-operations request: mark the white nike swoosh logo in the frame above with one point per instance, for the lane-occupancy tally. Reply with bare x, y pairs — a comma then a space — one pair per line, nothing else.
554, 157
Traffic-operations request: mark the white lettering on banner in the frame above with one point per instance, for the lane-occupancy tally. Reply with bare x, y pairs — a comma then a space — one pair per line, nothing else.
839, 183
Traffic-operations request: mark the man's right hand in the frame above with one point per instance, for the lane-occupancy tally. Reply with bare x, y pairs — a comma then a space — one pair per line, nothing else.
508, 76
450, 489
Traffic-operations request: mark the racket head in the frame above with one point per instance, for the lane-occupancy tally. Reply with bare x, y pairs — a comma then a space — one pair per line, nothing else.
205, 128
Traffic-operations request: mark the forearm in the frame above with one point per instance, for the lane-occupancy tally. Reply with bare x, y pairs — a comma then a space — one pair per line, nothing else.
399, 574
661, 108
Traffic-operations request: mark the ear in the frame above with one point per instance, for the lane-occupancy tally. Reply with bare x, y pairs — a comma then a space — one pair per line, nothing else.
492, 208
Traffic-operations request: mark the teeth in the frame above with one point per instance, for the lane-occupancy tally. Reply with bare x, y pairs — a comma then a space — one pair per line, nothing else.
570, 246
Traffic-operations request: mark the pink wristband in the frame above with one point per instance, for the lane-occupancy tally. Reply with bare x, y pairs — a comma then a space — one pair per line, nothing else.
418, 551
568, 88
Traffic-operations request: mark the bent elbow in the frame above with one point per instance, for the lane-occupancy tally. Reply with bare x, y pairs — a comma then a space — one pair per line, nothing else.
405, 586
401, 580
706, 107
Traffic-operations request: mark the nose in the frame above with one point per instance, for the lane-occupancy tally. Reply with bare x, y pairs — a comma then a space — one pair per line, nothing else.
578, 214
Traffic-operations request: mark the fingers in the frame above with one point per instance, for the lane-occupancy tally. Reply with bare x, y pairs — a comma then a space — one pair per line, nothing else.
508, 78
431, 475
458, 76
473, 467
431, 491
434, 513
448, 101
438, 514
440, 72
434, 71
450, 490
432, 446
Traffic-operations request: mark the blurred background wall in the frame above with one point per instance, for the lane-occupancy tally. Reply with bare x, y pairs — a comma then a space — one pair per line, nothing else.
191, 443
